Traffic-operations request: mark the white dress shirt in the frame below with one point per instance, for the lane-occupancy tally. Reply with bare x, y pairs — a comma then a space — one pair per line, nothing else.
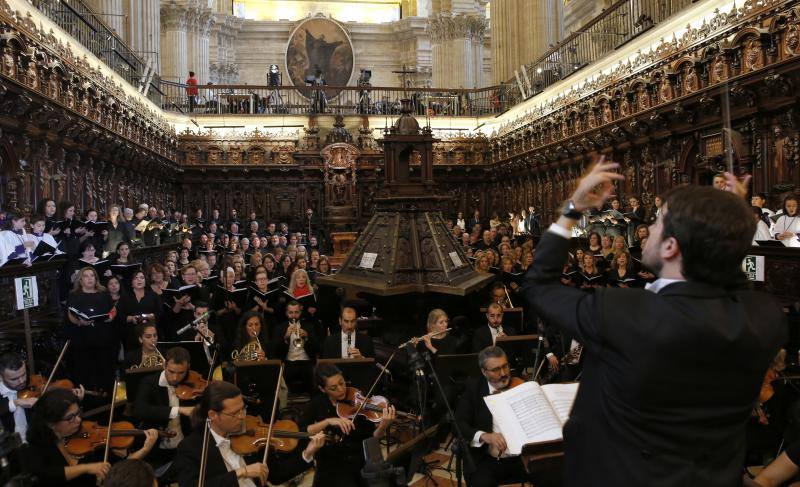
174, 424
20, 420
345, 348
232, 459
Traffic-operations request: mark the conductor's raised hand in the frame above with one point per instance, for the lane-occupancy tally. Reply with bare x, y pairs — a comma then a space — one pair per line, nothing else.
737, 186
597, 185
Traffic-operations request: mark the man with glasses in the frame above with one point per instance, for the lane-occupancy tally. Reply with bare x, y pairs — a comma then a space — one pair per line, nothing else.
477, 425
222, 407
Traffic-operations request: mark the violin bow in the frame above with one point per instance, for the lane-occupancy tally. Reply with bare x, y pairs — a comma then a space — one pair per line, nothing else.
272, 415
211, 368
372, 387
201, 477
55, 367
110, 422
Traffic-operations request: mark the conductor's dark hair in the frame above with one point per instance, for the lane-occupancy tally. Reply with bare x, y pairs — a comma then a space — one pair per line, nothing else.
714, 230
325, 371
216, 392
178, 355
130, 473
10, 361
51, 408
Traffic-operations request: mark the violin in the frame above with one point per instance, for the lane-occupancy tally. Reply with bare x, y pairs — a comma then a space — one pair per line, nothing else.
372, 409
285, 436
191, 387
36, 386
92, 436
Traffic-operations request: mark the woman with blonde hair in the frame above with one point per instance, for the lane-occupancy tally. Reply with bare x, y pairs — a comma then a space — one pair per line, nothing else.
444, 343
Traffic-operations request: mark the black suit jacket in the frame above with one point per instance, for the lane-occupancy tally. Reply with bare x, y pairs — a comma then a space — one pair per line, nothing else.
187, 464
280, 347
332, 347
482, 337
472, 414
152, 405
669, 379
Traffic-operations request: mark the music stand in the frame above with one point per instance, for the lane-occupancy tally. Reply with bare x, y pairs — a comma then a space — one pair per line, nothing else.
360, 372
197, 354
134, 377
520, 349
258, 379
456, 369
543, 460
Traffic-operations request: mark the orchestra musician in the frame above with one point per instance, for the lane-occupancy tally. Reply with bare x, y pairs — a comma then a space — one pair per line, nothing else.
349, 343
669, 416
478, 427
340, 464
57, 416
294, 341
251, 338
222, 407
442, 344
485, 336
147, 355
157, 404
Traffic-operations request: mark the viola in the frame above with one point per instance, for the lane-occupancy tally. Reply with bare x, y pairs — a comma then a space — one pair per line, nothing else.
371, 409
191, 387
36, 386
92, 436
285, 436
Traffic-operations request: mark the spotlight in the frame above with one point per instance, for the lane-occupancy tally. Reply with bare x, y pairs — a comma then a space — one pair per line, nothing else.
539, 70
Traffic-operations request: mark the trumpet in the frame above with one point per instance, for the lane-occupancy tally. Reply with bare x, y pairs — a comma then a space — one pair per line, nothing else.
297, 340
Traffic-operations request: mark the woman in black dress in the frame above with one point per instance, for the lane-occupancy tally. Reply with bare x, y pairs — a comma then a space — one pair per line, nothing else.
443, 344
139, 305
92, 353
117, 230
56, 416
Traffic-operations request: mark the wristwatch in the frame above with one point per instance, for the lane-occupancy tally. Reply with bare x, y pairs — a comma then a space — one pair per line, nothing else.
570, 211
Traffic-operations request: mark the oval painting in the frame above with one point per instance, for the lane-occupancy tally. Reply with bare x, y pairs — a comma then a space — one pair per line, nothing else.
319, 43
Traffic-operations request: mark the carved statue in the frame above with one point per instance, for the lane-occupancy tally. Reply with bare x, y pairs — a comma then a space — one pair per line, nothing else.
753, 57
792, 40
665, 90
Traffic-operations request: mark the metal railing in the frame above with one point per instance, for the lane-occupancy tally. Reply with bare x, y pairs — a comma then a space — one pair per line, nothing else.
80, 22
618, 24
351, 100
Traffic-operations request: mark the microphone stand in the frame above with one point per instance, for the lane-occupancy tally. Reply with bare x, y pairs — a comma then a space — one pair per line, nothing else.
538, 354
460, 446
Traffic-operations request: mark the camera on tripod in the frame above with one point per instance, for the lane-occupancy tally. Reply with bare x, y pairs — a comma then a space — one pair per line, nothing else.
274, 75
364, 77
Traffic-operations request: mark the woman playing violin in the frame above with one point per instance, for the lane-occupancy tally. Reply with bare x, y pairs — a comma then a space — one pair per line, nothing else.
340, 464
56, 416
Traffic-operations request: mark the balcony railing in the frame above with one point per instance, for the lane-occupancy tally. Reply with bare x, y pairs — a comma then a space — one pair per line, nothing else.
80, 22
351, 100
618, 24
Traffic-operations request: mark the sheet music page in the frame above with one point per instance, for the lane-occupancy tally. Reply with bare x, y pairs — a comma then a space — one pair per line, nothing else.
561, 397
524, 415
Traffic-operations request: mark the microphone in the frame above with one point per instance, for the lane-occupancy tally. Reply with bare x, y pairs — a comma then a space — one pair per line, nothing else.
193, 323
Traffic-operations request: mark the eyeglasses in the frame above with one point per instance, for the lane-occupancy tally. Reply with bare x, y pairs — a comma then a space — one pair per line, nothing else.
239, 414
501, 368
71, 417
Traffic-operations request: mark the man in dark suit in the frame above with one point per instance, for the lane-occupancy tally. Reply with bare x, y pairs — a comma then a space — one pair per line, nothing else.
532, 223
475, 220
349, 343
298, 359
671, 372
486, 335
223, 407
157, 405
475, 422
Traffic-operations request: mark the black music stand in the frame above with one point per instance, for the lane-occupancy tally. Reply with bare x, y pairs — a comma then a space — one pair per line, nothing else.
197, 354
360, 372
520, 349
258, 379
456, 369
544, 461
134, 377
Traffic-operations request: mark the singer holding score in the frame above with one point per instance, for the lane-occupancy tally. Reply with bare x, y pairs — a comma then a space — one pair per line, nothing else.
349, 343
652, 409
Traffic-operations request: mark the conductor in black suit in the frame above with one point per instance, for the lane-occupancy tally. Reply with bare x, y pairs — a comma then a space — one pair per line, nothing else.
223, 407
475, 422
671, 372
486, 335
348, 343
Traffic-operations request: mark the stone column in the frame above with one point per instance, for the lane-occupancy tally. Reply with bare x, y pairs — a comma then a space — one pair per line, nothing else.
111, 13
457, 47
193, 40
204, 32
174, 66
522, 30
143, 29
